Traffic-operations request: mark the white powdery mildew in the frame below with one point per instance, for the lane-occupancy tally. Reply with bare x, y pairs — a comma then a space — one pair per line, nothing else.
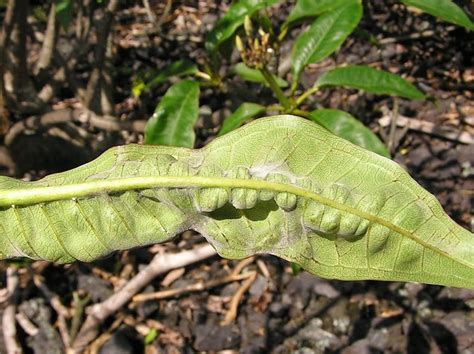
263, 171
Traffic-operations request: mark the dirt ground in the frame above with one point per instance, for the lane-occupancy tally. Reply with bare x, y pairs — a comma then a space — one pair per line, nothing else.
280, 312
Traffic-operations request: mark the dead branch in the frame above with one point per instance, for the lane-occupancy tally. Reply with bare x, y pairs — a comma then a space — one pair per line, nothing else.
164, 294
25, 323
4, 41
20, 93
8, 320
49, 42
231, 314
160, 264
172, 276
393, 127
413, 36
79, 305
83, 24
164, 15
428, 128
263, 268
56, 304
95, 83
7, 162
149, 11
79, 115
242, 264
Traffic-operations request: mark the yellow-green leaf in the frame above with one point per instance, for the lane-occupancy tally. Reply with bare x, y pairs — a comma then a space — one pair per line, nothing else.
281, 185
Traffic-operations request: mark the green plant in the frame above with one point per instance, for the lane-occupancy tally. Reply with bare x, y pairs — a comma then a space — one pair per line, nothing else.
258, 42
281, 185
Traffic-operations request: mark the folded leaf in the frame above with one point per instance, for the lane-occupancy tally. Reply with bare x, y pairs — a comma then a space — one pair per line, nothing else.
312, 8
324, 36
445, 9
254, 75
282, 185
233, 19
245, 111
175, 116
346, 126
370, 80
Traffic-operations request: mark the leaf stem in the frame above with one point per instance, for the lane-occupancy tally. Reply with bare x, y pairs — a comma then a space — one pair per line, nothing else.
285, 102
283, 33
274, 107
305, 95
301, 113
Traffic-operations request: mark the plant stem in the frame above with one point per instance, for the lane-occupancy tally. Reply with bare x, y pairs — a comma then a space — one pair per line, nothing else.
285, 102
275, 107
283, 33
301, 113
305, 95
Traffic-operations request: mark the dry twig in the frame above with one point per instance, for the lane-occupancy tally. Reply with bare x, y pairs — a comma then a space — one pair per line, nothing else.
234, 303
149, 11
164, 294
160, 264
172, 276
26, 324
412, 36
429, 128
56, 304
242, 264
49, 42
8, 320
97, 85
80, 115
393, 127
263, 268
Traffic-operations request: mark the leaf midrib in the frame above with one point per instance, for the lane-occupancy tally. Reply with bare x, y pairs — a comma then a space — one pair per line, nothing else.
36, 195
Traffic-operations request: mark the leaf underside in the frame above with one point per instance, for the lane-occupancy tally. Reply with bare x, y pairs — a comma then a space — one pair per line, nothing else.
280, 185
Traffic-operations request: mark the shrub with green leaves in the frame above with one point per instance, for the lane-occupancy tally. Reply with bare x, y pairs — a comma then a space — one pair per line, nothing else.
329, 25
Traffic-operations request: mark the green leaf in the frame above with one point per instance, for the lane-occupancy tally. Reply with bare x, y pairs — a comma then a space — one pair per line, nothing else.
233, 19
175, 116
312, 8
64, 11
370, 80
324, 36
254, 75
245, 111
178, 68
444, 9
150, 337
281, 185
346, 126
296, 268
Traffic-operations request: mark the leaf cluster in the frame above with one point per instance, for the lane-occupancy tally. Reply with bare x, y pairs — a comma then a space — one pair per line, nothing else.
246, 23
